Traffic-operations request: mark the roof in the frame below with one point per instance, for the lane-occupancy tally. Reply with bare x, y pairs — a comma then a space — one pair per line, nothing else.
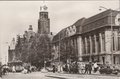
88, 24
97, 16
99, 20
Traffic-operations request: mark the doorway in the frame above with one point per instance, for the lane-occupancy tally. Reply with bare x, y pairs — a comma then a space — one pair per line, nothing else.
103, 60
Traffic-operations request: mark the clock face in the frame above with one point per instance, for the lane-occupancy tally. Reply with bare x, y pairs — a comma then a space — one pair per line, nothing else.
117, 19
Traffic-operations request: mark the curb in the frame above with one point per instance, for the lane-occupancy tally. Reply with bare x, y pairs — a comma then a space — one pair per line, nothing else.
79, 76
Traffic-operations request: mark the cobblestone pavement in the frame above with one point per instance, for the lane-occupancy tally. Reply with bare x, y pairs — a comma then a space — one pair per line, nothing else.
50, 75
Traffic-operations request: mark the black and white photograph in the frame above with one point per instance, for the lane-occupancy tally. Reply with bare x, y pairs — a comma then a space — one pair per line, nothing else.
60, 39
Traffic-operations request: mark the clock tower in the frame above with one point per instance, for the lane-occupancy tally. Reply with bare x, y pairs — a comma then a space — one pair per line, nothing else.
43, 21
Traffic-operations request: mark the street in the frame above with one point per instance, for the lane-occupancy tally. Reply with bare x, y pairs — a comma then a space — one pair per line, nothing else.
50, 75
33, 75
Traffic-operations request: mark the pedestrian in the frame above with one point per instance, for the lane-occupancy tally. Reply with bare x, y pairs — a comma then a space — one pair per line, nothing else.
76, 67
13, 69
24, 71
81, 68
95, 67
0, 71
66, 68
28, 69
4, 71
90, 67
54, 68
86, 69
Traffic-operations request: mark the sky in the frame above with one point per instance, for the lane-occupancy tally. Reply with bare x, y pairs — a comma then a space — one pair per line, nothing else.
16, 16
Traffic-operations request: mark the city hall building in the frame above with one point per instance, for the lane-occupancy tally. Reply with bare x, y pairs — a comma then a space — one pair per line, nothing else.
96, 38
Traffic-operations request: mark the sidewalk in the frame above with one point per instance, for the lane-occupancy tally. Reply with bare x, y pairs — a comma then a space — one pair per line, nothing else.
81, 76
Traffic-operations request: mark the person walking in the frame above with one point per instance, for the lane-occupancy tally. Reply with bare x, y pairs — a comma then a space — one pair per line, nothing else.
90, 67
86, 69
95, 67
13, 69
29, 69
54, 69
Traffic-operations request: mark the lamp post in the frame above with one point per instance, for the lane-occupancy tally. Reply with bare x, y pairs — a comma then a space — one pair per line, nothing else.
111, 32
59, 53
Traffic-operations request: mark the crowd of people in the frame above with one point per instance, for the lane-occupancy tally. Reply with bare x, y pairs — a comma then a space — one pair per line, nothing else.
85, 68
73, 68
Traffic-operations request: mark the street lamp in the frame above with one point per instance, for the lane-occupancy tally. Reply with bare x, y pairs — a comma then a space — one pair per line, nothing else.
111, 33
59, 53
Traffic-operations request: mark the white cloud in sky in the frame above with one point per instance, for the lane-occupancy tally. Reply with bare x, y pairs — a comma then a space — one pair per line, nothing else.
16, 16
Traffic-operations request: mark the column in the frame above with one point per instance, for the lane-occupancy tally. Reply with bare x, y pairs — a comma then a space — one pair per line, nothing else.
84, 48
116, 40
95, 44
86, 45
80, 47
75, 47
101, 42
108, 41
90, 47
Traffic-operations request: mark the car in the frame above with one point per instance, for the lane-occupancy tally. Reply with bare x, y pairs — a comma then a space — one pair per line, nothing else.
19, 68
108, 70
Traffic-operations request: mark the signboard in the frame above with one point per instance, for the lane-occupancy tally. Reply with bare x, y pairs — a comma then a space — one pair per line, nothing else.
117, 19
71, 30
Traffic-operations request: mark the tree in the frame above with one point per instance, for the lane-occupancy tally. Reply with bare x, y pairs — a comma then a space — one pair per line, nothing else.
40, 49
36, 50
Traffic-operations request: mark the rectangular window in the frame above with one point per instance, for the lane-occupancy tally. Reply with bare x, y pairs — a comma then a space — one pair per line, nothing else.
119, 40
114, 60
98, 44
118, 43
93, 44
88, 45
84, 50
113, 42
103, 39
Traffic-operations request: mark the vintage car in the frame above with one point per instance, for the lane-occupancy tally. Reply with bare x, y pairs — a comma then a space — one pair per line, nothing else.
108, 70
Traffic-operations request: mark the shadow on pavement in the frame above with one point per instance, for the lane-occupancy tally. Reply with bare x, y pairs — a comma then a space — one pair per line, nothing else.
56, 77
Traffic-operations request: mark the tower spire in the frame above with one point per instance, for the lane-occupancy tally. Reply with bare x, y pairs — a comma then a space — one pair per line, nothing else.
43, 7
44, 21
43, 1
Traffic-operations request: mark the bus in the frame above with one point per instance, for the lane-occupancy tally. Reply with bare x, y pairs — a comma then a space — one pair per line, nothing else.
18, 66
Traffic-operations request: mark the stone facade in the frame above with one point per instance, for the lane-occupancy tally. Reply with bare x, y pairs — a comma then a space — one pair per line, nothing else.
92, 39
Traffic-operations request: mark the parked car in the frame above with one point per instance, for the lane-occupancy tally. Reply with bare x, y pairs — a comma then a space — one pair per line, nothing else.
19, 68
108, 70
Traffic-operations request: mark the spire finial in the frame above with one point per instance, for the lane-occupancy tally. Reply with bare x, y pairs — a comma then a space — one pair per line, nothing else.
43, 7
43, 1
